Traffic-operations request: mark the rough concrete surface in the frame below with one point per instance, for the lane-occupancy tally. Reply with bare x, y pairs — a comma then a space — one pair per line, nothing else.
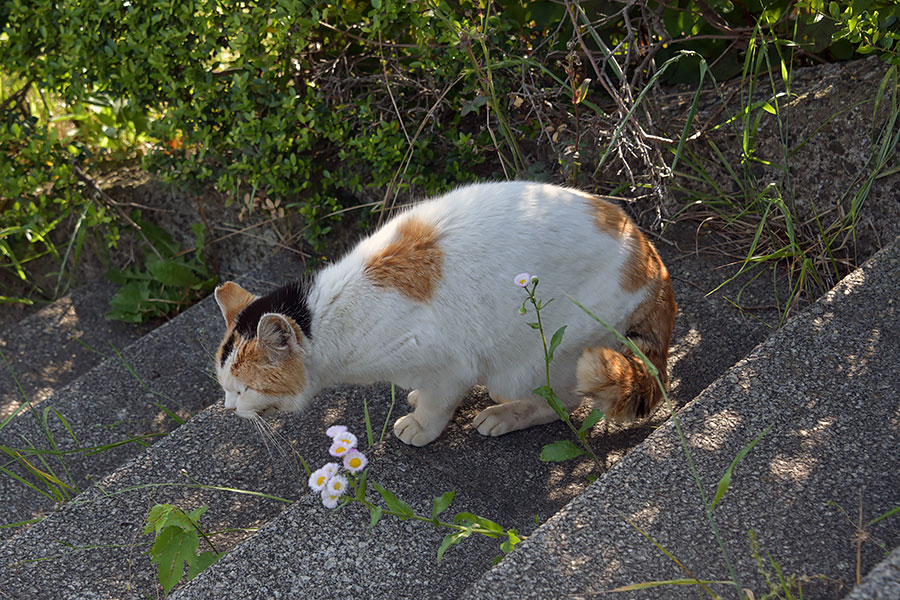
882, 582
498, 478
827, 385
109, 404
48, 349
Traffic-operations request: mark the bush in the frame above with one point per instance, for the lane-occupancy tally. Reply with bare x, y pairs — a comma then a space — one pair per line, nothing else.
332, 105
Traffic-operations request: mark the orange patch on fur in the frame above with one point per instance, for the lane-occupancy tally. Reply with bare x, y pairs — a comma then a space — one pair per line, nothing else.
643, 264
232, 299
609, 218
411, 263
252, 367
618, 380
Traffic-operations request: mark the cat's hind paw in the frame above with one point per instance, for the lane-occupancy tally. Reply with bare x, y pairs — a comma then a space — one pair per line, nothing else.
411, 432
512, 416
496, 420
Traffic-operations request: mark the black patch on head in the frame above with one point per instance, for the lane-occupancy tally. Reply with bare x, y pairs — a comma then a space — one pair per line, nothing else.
290, 301
227, 347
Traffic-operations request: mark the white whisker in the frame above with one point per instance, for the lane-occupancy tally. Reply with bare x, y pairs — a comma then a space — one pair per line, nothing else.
270, 434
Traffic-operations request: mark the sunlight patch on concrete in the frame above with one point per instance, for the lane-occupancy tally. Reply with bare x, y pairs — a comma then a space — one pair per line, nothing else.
715, 432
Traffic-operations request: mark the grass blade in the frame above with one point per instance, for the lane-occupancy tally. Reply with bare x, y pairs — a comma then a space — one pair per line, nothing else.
725, 481
652, 584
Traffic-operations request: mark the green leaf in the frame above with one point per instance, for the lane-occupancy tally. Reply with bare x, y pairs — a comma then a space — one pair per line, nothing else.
168, 515
473, 105
172, 549
375, 513
451, 540
401, 508
465, 517
157, 236
726, 478
127, 301
511, 541
547, 393
158, 517
441, 503
592, 419
555, 341
173, 274
201, 562
560, 451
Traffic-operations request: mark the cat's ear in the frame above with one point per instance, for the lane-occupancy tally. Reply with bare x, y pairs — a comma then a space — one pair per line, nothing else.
278, 337
232, 299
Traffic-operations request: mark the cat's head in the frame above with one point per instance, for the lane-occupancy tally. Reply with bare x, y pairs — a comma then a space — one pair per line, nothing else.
260, 363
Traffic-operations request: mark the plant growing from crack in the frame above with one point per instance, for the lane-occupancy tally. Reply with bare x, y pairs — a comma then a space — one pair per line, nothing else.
563, 449
343, 484
177, 543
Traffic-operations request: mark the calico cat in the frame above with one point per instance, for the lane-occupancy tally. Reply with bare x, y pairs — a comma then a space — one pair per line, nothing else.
429, 303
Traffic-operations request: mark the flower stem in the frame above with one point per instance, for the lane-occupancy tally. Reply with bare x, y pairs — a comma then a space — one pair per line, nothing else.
564, 414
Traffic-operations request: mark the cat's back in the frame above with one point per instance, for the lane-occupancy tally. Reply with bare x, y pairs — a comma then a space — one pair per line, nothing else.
480, 236
524, 226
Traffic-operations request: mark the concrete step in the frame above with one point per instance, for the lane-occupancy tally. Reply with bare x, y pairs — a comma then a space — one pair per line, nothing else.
111, 405
309, 551
43, 349
827, 385
501, 479
882, 582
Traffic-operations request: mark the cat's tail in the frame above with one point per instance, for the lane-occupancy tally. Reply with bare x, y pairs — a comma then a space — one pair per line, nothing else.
617, 381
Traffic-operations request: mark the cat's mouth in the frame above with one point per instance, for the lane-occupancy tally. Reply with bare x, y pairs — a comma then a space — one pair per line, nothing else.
254, 413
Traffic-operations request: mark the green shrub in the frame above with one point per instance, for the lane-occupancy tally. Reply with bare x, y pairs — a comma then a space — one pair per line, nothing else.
331, 105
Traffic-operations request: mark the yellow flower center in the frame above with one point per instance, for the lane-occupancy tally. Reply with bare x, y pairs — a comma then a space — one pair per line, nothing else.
355, 462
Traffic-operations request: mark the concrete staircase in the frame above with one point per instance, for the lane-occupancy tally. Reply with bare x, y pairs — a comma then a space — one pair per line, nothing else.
802, 380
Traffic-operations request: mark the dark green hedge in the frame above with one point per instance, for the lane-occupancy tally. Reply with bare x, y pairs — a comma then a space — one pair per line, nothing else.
327, 104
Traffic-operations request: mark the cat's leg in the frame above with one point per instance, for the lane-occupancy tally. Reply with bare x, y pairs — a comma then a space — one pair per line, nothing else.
434, 407
512, 415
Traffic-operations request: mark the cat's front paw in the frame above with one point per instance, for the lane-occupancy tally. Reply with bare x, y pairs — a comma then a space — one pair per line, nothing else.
411, 432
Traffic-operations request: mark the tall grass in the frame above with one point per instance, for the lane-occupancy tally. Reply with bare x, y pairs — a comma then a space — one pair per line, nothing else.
806, 250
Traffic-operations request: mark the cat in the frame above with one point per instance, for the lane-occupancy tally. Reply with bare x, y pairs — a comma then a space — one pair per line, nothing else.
429, 303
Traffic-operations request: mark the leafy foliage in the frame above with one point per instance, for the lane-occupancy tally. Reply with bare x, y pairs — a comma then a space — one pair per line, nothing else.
176, 543
170, 280
328, 106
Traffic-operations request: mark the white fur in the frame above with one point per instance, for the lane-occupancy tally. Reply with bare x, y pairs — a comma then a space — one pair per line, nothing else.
471, 332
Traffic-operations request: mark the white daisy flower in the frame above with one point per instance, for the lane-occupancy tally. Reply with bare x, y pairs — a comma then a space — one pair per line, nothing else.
337, 485
347, 438
355, 461
320, 477
523, 279
339, 448
330, 500
335, 430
